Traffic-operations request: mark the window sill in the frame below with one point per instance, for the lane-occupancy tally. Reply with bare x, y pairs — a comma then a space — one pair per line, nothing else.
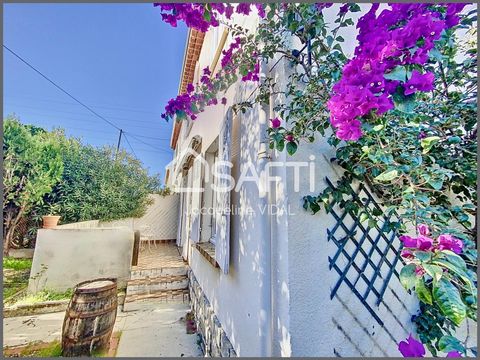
207, 250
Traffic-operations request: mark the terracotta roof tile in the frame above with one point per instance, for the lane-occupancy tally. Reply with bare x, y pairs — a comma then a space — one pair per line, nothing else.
192, 53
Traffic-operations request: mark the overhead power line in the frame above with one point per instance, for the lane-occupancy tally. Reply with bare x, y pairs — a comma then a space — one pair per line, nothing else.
80, 102
131, 148
152, 146
59, 87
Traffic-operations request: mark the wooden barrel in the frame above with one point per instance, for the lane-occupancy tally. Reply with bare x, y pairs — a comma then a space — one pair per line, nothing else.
90, 317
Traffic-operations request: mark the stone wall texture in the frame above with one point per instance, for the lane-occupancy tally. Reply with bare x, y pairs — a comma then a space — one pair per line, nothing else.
215, 342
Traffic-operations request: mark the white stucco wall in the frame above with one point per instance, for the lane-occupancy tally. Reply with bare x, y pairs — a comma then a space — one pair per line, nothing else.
352, 330
237, 298
275, 299
65, 257
159, 221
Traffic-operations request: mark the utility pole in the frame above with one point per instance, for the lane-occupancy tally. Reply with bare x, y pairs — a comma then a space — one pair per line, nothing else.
118, 144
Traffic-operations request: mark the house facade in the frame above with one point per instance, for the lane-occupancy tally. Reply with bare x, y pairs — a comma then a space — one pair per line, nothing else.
268, 278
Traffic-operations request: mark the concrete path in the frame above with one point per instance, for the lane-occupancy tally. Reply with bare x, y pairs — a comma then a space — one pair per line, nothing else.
25, 329
155, 329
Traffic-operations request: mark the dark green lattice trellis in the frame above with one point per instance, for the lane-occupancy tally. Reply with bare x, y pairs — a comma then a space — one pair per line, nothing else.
360, 246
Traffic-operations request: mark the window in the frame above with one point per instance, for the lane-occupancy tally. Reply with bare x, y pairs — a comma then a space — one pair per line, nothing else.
209, 203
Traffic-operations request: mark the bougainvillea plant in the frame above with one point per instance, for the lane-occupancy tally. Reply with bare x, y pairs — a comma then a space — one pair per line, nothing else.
401, 113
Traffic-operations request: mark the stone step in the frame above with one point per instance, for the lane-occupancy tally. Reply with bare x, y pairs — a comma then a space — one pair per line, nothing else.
134, 302
149, 285
139, 273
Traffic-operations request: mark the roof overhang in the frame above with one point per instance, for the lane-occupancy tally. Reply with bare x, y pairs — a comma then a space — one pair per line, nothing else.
193, 48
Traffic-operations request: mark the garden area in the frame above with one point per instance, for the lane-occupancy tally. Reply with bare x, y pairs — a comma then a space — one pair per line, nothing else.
48, 173
16, 274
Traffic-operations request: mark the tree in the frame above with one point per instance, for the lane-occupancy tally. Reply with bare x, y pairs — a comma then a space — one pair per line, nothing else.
32, 166
95, 186
49, 173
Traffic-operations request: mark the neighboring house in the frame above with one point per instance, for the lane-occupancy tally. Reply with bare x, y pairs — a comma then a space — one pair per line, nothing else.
280, 282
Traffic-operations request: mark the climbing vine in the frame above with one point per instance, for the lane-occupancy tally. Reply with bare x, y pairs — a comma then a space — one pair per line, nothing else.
400, 112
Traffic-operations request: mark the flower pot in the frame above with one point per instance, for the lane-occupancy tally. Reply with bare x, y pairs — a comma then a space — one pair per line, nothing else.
50, 221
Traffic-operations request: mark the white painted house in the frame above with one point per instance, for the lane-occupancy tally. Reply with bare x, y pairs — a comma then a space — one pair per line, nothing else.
281, 282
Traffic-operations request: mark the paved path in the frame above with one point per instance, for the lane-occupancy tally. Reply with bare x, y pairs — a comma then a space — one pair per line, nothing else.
25, 329
156, 329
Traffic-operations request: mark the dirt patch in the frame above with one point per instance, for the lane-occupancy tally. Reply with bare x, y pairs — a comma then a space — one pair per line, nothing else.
54, 349
35, 349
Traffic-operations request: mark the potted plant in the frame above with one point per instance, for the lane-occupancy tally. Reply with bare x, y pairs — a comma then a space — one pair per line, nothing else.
50, 221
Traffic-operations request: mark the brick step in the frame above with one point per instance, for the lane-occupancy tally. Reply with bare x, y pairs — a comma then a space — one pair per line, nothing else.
139, 273
134, 302
150, 285
156, 280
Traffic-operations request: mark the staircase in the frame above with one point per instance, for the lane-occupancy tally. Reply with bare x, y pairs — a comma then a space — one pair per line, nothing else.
161, 279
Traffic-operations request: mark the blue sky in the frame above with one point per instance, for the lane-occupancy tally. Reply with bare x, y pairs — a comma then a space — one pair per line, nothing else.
122, 60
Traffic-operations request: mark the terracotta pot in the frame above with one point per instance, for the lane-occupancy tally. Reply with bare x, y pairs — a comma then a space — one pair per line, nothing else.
50, 221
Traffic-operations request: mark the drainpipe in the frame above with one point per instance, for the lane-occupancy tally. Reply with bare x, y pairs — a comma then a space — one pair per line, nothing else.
278, 198
265, 236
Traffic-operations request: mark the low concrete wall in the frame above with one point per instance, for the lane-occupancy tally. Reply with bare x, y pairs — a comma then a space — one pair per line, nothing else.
65, 257
80, 225
21, 253
159, 222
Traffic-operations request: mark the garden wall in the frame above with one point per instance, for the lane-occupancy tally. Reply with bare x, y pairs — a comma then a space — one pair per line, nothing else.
158, 223
65, 257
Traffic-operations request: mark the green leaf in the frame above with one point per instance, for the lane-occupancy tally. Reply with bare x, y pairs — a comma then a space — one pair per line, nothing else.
454, 259
386, 176
398, 73
291, 147
457, 269
422, 291
363, 217
428, 143
404, 103
448, 298
408, 277
437, 184
449, 343
423, 255
435, 271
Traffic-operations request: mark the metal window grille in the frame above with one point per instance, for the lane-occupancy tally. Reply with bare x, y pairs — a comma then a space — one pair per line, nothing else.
366, 258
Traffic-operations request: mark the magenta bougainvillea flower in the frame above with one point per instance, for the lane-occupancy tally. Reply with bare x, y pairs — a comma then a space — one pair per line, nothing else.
421, 242
423, 229
194, 14
419, 82
275, 123
252, 75
243, 8
407, 254
419, 271
289, 138
453, 354
397, 37
448, 242
224, 101
408, 241
425, 243
411, 347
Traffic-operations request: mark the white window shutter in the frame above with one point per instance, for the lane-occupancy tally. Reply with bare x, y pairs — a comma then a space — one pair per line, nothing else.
196, 200
222, 233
